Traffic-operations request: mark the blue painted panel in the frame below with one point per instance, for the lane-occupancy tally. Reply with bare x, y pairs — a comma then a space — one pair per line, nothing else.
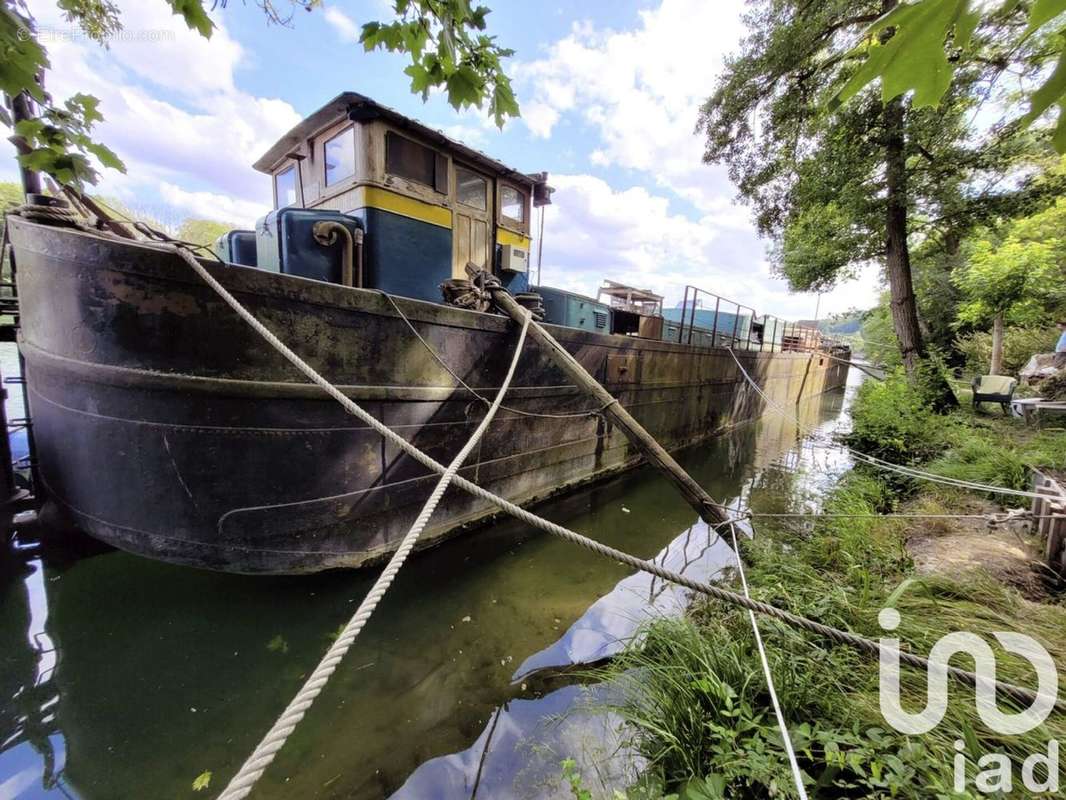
404, 256
574, 310
514, 282
705, 319
237, 247
285, 243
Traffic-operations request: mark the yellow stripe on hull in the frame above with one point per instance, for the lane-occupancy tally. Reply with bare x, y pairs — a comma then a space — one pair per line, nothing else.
504, 236
385, 200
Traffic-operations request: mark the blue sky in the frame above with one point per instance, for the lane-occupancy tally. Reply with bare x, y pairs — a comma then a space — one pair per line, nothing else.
609, 94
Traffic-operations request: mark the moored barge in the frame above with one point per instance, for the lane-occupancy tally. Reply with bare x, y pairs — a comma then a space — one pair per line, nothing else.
165, 426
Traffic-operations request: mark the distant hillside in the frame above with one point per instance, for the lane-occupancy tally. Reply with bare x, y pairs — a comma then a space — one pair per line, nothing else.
847, 323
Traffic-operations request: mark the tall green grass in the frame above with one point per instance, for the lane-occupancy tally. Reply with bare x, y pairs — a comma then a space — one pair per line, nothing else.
695, 700
692, 690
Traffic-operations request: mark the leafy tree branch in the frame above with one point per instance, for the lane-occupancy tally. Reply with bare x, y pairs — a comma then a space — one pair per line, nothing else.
929, 39
445, 39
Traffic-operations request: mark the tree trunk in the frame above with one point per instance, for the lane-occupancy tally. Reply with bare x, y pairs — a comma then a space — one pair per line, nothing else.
898, 260
996, 368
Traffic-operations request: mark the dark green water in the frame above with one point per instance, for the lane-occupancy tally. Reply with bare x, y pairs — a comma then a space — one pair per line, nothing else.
125, 678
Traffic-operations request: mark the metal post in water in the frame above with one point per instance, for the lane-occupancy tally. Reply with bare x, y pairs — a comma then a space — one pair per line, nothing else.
7, 466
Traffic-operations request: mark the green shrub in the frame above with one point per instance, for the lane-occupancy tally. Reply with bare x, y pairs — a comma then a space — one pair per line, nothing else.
982, 461
891, 421
696, 704
1019, 345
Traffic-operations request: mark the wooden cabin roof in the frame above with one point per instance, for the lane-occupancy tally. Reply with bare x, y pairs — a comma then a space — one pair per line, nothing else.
614, 289
359, 107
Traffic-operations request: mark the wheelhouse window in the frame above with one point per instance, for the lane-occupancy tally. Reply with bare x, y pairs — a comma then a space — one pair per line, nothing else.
512, 204
285, 187
407, 159
340, 157
471, 189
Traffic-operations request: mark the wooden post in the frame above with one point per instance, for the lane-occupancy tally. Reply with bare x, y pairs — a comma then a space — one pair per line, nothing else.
1051, 522
704, 504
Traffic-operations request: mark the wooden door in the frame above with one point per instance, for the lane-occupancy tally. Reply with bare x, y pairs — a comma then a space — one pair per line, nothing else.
472, 221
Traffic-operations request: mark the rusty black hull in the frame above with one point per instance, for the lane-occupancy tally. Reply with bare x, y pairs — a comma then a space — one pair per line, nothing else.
165, 426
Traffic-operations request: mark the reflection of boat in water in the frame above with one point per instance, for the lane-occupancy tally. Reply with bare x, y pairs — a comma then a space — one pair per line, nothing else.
518, 751
165, 426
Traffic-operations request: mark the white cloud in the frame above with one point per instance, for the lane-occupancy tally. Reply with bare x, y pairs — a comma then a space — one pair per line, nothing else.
345, 26
540, 118
640, 91
593, 231
470, 135
172, 112
210, 205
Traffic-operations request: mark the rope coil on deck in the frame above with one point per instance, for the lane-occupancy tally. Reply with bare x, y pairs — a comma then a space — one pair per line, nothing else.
55, 213
1018, 694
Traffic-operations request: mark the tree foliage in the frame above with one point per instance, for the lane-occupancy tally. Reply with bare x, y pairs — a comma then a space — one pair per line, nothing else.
445, 39
842, 174
816, 180
449, 49
933, 39
878, 339
203, 231
1019, 345
1018, 273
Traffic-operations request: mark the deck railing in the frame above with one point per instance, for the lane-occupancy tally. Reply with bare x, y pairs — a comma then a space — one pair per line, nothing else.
793, 336
723, 338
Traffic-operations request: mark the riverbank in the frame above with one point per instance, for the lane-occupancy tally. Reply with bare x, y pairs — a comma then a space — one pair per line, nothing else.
695, 698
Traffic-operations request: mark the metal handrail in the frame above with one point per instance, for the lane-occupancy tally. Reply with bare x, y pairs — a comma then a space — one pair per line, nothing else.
687, 324
695, 291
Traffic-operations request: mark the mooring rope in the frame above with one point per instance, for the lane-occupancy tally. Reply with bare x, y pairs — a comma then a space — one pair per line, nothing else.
786, 738
888, 465
252, 769
867, 368
57, 214
1019, 694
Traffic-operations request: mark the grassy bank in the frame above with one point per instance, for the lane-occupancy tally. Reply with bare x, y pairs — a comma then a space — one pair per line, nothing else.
694, 696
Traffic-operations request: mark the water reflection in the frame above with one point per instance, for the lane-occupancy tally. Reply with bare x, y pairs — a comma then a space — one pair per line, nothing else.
32, 749
159, 673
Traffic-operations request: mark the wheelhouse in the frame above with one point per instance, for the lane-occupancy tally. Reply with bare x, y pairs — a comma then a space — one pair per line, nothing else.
427, 206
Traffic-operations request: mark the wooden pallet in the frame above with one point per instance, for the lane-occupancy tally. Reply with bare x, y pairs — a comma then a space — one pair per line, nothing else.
1050, 516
